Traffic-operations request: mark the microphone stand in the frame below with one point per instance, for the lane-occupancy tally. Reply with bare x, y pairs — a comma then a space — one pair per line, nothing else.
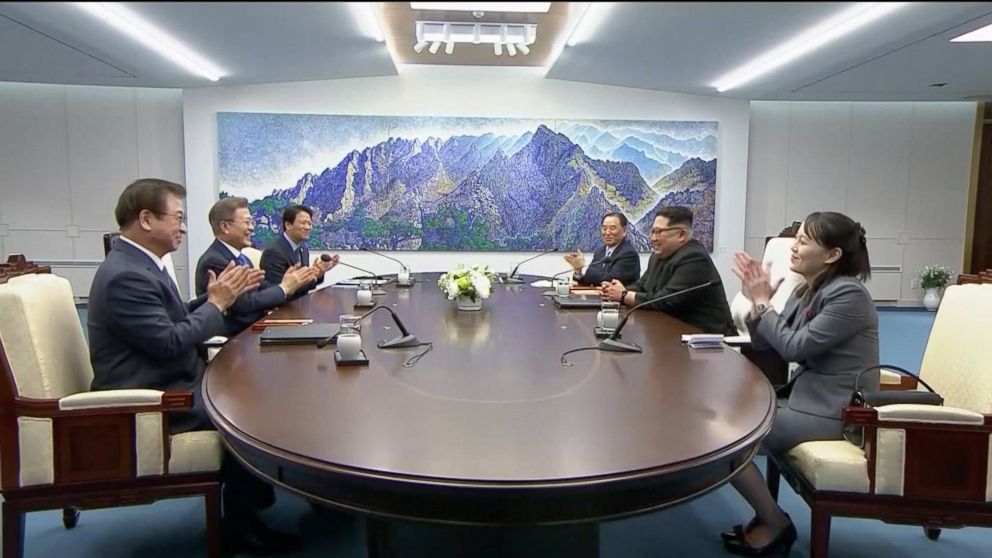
613, 343
405, 339
512, 276
405, 268
375, 289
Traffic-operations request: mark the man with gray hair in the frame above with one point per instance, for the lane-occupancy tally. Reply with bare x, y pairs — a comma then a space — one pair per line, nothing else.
233, 226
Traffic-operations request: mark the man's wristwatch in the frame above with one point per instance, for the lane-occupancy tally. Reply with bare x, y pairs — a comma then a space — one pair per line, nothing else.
760, 309
623, 296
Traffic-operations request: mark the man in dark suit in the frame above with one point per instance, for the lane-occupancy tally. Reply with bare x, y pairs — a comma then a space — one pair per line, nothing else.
616, 259
143, 335
678, 262
290, 248
232, 225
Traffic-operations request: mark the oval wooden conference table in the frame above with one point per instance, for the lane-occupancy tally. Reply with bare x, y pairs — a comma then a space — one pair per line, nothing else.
489, 428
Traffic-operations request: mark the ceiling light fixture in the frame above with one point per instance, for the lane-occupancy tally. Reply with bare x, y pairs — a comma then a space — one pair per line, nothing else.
420, 46
980, 35
367, 20
434, 46
132, 25
519, 35
581, 28
843, 23
519, 7
588, 22
449, 48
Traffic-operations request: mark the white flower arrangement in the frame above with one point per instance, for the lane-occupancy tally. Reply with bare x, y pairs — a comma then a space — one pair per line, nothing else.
935, 276
475, 282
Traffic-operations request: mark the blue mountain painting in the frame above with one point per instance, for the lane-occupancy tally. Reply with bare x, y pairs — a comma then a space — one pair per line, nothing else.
474, 184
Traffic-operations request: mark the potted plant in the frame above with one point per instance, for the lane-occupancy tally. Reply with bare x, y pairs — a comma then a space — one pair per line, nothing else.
933, 278
468, 286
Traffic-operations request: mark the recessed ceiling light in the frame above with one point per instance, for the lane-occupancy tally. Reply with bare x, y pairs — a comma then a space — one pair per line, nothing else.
980, 35
519, 7
134, 26
847, 21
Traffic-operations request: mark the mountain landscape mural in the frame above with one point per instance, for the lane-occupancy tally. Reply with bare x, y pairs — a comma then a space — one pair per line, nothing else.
447, 183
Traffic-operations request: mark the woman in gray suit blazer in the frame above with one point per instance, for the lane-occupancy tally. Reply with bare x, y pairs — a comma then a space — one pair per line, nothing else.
830, 328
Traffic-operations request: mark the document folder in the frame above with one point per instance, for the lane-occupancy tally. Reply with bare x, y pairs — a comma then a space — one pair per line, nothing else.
578, 301
298, 335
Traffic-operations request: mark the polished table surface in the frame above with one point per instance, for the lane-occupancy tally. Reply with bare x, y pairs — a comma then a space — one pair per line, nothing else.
489, 427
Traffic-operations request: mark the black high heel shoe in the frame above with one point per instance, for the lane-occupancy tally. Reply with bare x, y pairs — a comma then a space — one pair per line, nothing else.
781, 544
738, 531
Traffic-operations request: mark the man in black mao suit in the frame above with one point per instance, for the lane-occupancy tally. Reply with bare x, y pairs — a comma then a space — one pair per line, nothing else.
143, 335
232, 225
290, 248
616, 259
678, 262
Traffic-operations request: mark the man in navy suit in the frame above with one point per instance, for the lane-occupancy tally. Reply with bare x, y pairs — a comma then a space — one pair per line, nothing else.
142, 334
232, 225
616, 259
678, 262
290, 248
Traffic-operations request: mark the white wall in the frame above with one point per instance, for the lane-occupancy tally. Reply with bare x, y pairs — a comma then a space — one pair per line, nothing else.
464, 91
66, 153
901, 169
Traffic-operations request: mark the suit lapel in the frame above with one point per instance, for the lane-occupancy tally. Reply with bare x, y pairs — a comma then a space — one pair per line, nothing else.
160, 275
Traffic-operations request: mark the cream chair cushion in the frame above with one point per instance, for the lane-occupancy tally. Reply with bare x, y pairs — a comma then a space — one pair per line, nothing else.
778, 252
195, 452
42, 337
835, 465
958, 357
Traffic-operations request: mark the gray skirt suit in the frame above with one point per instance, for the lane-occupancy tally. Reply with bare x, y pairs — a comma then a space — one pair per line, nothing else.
833, 336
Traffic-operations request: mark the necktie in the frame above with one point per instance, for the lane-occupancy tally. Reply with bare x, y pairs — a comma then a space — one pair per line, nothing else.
169, 281
243, 261
302, 258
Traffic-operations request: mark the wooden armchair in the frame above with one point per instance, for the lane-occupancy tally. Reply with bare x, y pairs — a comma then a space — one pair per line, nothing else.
63, 446
17, 265
920, 465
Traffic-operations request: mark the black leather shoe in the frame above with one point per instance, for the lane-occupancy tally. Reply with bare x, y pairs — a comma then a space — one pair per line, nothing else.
780, 545
739, 530
254, 538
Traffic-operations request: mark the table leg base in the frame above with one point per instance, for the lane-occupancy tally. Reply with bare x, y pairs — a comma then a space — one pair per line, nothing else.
401, 539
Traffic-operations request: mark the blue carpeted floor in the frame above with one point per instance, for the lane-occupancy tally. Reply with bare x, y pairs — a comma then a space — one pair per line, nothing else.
176, 528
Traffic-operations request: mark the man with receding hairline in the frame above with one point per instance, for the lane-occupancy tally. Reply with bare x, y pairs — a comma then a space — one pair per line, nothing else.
142, 334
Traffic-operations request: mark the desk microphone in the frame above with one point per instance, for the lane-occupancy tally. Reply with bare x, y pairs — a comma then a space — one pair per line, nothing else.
611, 343
512, 277
403, 265
404, 340
560, 273
375, 290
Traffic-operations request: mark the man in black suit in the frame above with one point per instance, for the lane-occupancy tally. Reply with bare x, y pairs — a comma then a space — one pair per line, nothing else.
290, 248
616, 259
143, 335
232, 225
678, 262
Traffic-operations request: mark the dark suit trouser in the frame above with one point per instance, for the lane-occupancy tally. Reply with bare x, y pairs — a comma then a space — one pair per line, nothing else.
243, 492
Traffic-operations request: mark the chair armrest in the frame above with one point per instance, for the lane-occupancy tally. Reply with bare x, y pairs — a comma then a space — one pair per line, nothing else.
918, 417
111, 398
109, 402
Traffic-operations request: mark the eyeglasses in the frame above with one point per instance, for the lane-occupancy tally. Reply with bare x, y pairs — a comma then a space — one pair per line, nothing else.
179, 216
247, 222
666, 229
